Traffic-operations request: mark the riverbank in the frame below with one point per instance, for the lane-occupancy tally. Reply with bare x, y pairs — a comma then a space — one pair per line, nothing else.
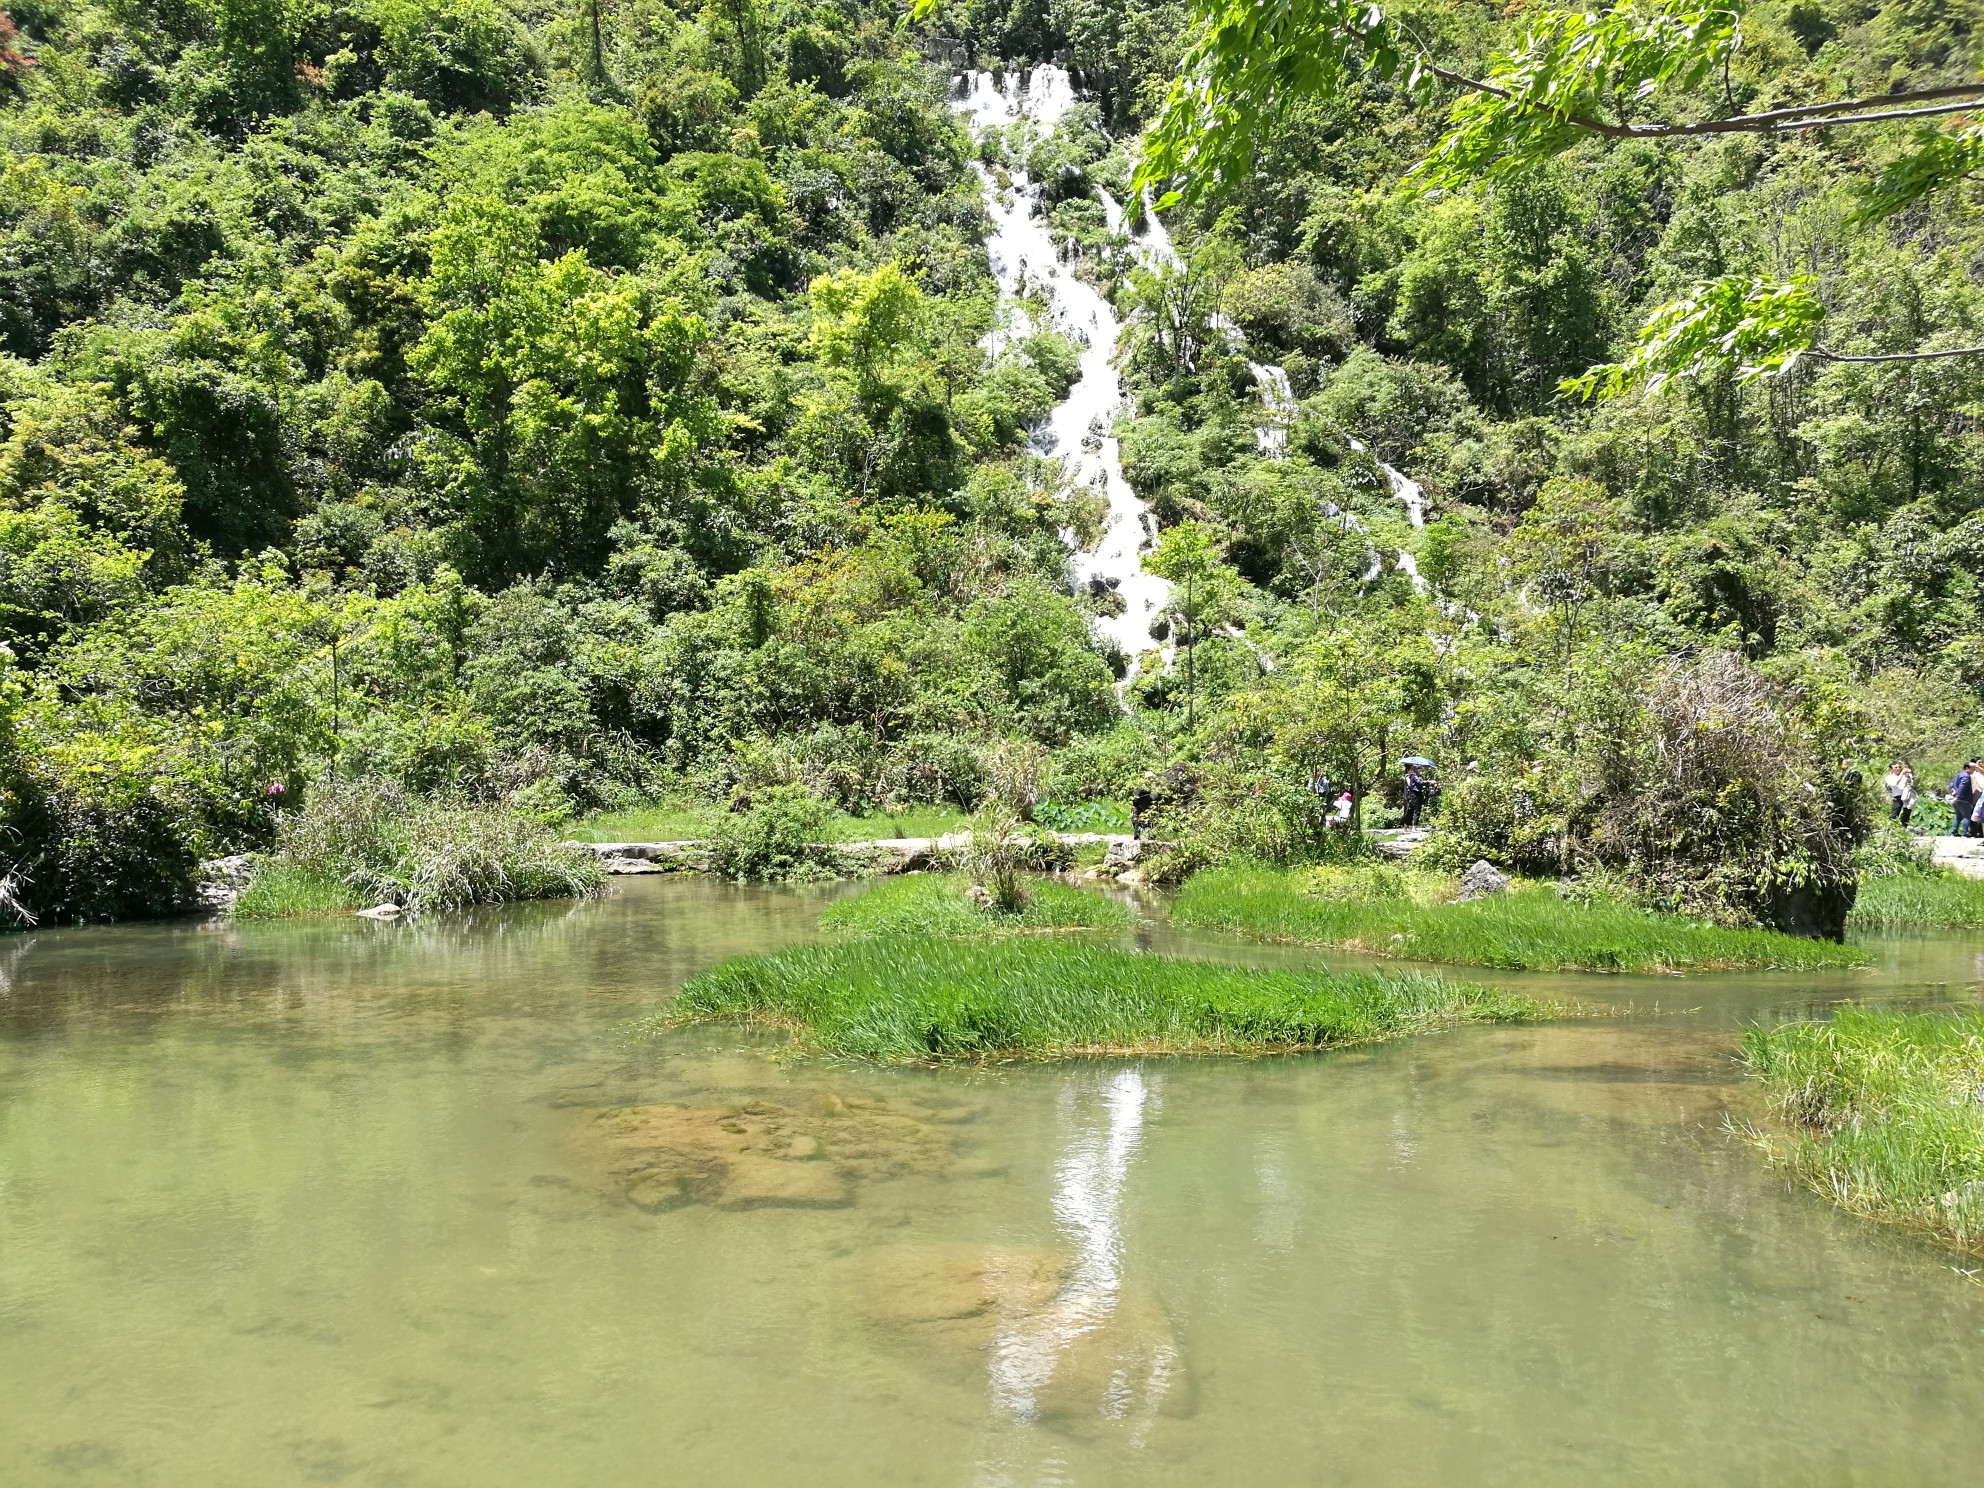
900, 1000
1527, 928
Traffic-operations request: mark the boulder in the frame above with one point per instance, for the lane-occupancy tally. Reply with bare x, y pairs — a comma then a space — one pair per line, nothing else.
1481, 880
381, 912
221, 880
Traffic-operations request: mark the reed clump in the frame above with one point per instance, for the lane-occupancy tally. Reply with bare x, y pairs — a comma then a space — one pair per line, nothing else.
941, 904
357, 844
1529, 928
907, 999
1883, 1113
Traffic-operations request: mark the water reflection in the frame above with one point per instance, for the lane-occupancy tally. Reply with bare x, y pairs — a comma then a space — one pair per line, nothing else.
1102, 1131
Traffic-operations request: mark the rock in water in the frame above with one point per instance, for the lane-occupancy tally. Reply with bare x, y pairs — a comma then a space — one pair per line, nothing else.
764, 1155
380, 912
1051, 1343
1480, 881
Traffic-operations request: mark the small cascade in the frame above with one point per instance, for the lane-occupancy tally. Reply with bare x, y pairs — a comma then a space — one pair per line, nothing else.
1025, 260
1278, 398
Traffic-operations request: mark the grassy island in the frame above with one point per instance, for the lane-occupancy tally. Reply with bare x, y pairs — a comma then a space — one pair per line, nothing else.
902, 999
1881, 1114
1528, 928
938, 904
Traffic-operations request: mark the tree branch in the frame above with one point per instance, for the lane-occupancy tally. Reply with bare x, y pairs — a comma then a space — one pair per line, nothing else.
1776, 121
1898, 356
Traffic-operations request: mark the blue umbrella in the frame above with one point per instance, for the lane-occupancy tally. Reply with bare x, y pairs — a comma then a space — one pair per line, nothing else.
1417, 759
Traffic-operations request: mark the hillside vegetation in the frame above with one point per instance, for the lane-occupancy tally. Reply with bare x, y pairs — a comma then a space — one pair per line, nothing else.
570, 404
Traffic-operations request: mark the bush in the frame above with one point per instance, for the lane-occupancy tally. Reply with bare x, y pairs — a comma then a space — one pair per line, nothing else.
783, 836
91, 827
385, 845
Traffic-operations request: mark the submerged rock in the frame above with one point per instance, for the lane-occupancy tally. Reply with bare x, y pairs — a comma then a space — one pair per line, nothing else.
761, 1154
381, 912
1054, 1342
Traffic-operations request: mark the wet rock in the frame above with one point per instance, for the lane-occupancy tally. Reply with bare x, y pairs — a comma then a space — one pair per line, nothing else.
1480, 881
381, 912
221, 880
760, 1154
1055, 1341
627, 867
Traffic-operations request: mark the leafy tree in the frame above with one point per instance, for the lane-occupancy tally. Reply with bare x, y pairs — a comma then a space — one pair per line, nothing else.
1203, 588
1576, 74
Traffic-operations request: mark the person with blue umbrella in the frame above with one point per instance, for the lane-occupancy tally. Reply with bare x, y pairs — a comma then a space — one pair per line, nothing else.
1418, 786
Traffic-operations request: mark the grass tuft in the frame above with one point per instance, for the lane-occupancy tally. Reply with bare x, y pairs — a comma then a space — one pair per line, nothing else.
901, 999
1526, 929
1884, 1114
1919, 898
936, 904
282, 890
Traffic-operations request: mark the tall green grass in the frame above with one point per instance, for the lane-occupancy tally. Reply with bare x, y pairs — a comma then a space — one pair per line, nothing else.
1919, 898
901, 999
936, 904
1884, 1114
370, 842
1528, 929
281, 890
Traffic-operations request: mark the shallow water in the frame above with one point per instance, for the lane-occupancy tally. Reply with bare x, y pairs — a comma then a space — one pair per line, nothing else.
331, 1202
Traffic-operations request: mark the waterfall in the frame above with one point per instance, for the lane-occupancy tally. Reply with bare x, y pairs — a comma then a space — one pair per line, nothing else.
1024, 257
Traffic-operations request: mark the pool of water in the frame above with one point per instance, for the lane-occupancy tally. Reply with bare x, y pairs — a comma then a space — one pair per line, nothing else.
336, 1202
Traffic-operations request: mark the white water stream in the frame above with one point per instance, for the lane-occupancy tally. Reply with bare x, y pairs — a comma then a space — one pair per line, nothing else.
1028, 266
1026, 262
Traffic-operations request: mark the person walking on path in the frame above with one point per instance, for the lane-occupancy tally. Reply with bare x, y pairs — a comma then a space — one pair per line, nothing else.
1909, 795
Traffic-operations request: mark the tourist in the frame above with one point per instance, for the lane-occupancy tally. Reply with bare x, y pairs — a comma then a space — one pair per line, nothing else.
1141, 801
1341, 817
1319, 787
1961, 796
1905, 802
1415, 795
1892, 784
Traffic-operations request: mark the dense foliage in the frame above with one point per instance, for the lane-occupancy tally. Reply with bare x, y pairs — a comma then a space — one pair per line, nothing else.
393, 389
412, 391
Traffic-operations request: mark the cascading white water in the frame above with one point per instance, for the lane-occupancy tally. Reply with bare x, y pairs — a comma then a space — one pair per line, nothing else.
1024, 259
1278, 397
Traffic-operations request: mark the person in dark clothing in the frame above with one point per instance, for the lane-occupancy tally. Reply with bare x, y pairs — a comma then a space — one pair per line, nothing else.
1141, 801
1963, 800
1415, 796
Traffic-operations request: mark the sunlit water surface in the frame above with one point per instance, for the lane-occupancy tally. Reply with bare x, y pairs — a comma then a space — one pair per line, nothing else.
333, 1202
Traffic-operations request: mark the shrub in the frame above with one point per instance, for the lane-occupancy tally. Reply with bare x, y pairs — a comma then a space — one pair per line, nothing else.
387, 845
784, 835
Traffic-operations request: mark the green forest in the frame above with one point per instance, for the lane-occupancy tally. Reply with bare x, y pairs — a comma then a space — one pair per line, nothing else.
561, 405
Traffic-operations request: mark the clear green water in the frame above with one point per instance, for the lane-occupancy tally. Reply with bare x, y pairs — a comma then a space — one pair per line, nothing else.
327, 1203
